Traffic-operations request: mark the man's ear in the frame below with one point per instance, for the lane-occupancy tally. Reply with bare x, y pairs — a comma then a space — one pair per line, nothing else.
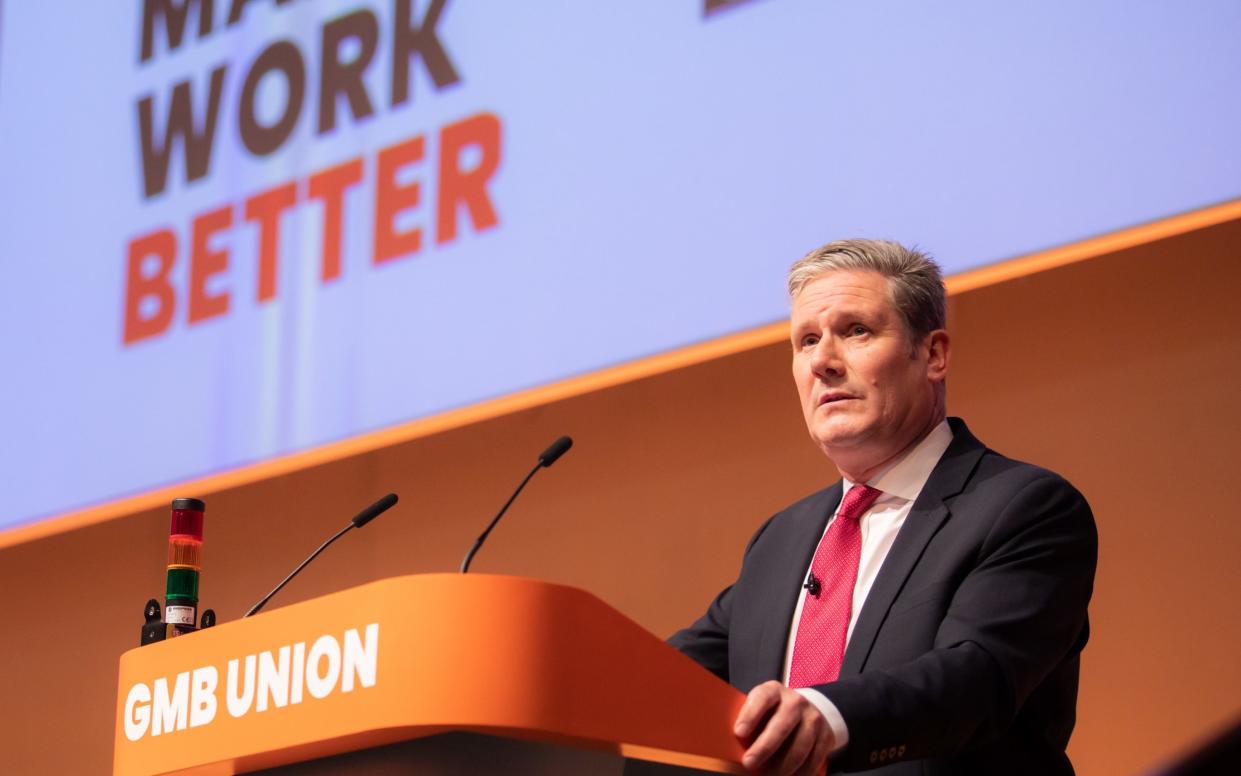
938, 348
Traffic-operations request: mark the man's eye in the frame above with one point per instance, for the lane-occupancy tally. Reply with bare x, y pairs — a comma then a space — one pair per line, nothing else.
810, 340
858, 330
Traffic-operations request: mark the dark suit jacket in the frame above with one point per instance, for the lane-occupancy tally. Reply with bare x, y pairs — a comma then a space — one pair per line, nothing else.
964, 658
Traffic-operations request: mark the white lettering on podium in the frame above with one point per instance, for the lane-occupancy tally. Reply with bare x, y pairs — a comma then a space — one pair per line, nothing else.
203, 704
137, 711
361, 659
320, 684
299, 672
240, 704
170, 712
258, 682
273, 679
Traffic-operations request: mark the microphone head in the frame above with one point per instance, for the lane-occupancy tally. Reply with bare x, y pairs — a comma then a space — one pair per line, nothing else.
374, 510
554, 451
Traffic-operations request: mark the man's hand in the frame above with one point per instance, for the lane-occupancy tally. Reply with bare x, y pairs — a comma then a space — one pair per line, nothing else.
790, 736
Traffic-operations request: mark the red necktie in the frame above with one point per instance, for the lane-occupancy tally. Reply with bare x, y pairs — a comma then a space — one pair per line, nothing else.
820, 646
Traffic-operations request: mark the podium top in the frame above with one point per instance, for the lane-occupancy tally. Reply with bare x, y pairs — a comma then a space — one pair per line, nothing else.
413, 656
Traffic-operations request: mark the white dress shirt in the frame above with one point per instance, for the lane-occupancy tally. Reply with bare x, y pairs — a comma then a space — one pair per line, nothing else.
901, 481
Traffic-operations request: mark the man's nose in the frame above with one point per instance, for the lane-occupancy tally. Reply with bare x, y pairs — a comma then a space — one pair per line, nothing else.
825, 359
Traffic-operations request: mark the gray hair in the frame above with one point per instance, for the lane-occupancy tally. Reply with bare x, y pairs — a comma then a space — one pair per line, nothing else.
915, 279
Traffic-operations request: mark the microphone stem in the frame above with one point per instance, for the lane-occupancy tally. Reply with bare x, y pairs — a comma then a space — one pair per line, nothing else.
478, 543
254, 609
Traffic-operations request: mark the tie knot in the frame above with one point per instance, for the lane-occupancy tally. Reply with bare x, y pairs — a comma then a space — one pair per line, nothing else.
859, 499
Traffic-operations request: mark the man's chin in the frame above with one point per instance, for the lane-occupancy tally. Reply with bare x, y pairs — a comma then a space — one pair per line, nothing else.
839, 436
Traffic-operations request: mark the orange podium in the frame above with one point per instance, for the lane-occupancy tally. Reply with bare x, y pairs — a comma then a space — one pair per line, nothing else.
416, 659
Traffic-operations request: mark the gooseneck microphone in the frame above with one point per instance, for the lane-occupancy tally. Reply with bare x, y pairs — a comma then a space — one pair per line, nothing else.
357, 521
546, 458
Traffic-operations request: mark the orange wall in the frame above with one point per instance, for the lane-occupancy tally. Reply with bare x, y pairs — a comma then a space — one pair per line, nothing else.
1120, 372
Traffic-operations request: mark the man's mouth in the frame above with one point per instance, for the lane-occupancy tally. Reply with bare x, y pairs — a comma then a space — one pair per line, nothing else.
833, 397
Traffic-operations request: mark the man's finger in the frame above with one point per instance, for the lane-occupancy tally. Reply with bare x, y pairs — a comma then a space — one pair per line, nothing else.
758, 702
798, 753
783, 722
816, 763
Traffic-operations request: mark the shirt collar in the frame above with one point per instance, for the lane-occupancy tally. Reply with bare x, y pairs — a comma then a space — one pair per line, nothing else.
905, 476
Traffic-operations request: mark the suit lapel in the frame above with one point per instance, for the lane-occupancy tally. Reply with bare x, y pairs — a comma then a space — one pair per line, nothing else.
784, 584
928, 513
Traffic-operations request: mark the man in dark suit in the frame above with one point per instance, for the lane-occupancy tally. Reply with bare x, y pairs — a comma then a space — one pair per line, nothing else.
926, 614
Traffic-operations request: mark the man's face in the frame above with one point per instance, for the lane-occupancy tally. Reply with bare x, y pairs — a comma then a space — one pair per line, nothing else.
867, 392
